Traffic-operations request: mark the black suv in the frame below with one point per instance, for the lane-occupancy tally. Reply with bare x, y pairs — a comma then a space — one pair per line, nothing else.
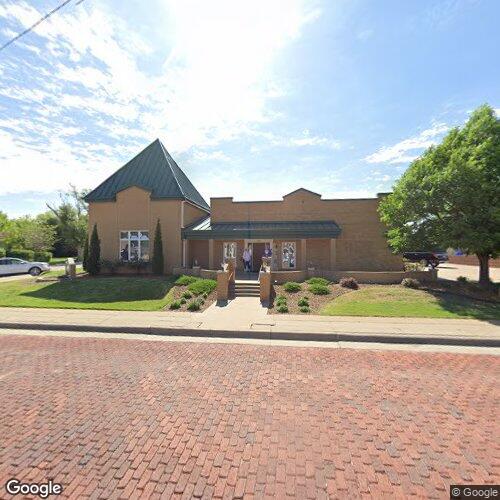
429, 258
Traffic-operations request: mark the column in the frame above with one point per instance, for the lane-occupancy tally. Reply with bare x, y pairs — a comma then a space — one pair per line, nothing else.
303, 254
211, 254
184, 253
333, 254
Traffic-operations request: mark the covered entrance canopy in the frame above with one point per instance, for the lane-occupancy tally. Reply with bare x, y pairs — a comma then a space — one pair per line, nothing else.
259, 230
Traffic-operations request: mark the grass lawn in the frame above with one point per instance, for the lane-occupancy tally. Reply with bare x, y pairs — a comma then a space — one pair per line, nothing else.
118, 293
400, 301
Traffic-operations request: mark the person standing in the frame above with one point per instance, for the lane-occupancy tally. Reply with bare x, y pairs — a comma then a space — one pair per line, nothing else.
247, 259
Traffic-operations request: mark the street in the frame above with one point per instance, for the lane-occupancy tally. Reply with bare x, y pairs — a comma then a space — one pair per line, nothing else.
121, 418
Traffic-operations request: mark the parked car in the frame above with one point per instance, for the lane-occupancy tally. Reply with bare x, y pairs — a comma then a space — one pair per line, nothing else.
442, 256
426, 258
10, 265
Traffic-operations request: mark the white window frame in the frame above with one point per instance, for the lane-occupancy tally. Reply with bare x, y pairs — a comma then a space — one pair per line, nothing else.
285, 264
232, 254
129, 239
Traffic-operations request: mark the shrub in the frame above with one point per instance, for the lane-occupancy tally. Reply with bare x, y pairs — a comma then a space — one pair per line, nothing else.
281, 299
110, 265
186, 280
319, 289
194, 305
349, 283
282, 308
94, 262
200, 286
183, 301
305, 309
85, 263
187, 295
43, 256
318, 281
410, 283
304, 301
462, 279
292, 287
2, 252
158, 250
21, 253
175, 305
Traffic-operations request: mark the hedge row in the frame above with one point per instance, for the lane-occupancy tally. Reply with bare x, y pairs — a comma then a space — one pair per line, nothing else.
30, 255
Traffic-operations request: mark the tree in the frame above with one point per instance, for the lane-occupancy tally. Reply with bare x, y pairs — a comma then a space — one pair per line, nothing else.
32, 234
450, 196
85, 263
94, 259
158, 250
70, 220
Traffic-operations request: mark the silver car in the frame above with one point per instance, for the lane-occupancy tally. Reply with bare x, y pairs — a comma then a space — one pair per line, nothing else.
11, 265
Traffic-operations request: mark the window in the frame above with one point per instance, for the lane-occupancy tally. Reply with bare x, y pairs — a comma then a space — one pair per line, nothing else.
134, 245
229, 250
288, 254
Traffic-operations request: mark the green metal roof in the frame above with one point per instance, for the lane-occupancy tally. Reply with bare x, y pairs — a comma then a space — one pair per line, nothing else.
204, 229
156, 171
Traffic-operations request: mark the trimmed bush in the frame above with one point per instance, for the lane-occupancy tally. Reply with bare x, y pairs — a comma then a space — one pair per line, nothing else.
319, 289
43, 256
281, 299
318, 281
305, 309
349, 283
410, 283
185, 280
2, 252
292, 287
183, 301
195, 305
462, 279
282, 308
158, 250
200, 287
303, 302
175, 305
21, 253
94, 262
85, 263
187, 295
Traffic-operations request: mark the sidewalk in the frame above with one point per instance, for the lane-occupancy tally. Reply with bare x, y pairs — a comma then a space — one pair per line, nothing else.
245, 318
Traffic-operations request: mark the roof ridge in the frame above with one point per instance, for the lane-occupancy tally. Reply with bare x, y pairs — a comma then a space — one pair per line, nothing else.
167, 154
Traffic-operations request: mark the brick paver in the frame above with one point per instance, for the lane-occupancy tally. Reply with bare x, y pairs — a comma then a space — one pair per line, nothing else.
138, 419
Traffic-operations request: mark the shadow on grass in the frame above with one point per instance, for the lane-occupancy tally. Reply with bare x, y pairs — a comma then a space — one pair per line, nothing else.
467, 307
104, 290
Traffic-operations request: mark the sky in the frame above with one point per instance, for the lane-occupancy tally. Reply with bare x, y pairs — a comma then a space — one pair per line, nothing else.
252, 99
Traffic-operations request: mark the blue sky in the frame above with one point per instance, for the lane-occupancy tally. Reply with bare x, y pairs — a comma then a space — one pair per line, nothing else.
253, 99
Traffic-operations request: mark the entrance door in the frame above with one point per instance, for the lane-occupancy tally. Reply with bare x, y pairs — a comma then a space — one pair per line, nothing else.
257, 254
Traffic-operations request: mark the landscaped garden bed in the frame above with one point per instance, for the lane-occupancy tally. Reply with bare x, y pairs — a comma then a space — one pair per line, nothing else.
432, 300
192, 294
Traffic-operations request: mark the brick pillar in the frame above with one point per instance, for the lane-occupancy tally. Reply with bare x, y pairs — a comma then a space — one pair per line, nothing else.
265, 287
303, 253
333, 254
222, 286
211, 254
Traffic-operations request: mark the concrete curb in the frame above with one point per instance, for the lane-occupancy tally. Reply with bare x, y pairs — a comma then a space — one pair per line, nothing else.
262, 335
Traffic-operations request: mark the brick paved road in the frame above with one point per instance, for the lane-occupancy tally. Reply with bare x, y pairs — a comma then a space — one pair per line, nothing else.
130, 419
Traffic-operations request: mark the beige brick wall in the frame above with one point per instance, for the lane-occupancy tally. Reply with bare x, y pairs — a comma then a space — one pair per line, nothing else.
134, 210
361, 245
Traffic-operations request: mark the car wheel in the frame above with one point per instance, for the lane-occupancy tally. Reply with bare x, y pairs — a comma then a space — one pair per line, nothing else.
35, 271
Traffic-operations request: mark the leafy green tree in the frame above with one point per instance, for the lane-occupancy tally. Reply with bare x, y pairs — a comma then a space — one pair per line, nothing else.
450, 196
70, 220
158, 250
94, 259
85, 263
30, 233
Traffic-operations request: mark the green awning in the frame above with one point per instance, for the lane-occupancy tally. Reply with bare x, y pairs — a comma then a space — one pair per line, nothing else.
259, 230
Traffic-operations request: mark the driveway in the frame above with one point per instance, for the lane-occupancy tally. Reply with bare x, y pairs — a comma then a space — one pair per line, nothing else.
453, 271
112, 418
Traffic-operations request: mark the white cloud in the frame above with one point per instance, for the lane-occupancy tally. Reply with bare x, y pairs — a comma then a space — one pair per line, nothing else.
402, 151
98, 90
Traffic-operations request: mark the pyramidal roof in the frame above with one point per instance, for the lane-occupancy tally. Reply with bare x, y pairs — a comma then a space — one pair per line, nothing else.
154, 170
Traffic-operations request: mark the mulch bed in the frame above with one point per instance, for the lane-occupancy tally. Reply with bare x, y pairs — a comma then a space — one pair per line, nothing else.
179, 290
471, 290
316, 302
